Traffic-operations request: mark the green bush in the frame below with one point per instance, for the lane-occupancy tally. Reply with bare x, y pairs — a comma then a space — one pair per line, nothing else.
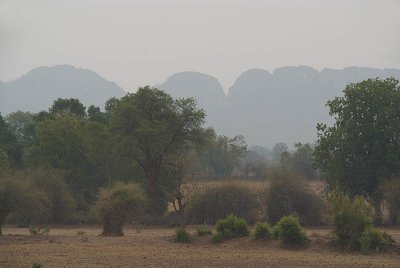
262, 230
203, 230
290, 196
220, 201
36, 265
289, 230
353, 226
231, 227
181, 235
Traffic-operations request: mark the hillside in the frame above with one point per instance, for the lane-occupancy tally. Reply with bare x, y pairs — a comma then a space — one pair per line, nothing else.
36, 90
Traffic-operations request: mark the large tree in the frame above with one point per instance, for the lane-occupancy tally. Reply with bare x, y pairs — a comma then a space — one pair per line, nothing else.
362, 148
151, 125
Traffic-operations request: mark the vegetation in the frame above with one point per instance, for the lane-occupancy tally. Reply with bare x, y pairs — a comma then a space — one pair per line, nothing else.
362, 148
203, 230
182, 235
353, 225
119, 203
289, 196
289, 230
230, 227
391, 195
220, 201
262, 230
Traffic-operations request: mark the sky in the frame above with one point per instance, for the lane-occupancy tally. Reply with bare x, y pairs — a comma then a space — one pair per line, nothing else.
136, 43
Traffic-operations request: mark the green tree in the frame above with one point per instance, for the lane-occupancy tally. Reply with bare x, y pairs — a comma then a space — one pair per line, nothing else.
22, 124
9, 144
362, 148
94, 114
152, 125
71, 106
299, 161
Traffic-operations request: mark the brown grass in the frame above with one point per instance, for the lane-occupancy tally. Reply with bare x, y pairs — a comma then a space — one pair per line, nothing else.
154, 247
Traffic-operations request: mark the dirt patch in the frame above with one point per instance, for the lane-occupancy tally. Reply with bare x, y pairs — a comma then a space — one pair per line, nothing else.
154, 247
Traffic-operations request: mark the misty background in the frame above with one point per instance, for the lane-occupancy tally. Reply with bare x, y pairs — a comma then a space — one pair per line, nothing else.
233, 56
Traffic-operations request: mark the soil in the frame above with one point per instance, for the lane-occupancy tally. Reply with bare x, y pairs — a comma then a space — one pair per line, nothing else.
154, 247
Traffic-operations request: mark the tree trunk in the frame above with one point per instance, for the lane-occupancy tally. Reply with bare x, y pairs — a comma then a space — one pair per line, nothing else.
182, 218
378, 212
112, 225
152, 192
1, 232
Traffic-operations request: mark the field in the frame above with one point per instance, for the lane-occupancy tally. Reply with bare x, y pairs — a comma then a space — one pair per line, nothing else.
154, 247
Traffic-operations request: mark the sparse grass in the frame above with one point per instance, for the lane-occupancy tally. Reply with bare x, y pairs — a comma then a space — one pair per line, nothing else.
203, 230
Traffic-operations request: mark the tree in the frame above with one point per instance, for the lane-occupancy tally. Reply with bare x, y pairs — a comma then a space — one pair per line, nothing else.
71, 106
223, 155
362, 148
22, 124
96, 115
278, 150
299, 161
118, 204
10, 145
152, 125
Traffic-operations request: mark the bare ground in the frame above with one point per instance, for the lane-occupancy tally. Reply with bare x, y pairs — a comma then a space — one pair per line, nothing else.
154, 247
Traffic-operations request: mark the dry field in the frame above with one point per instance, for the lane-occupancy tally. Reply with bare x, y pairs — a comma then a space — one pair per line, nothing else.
154, 247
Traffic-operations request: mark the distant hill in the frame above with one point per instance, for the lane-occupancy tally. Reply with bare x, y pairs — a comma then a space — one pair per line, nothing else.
204, 88
284, 106
36, 90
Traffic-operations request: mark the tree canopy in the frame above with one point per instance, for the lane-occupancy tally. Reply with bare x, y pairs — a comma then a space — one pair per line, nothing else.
362, 148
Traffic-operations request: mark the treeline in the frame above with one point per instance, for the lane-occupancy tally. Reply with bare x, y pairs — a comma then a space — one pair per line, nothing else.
65, 155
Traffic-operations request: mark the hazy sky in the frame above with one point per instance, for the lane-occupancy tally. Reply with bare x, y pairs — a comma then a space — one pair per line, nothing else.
143, 42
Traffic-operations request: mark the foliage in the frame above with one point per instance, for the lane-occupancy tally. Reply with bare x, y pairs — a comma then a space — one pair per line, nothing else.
120, 203
23, 125
362, 148
350, 218
231, 227
203, 230
181, 235
218, 202
391, 194
278, 150
10, 145
289, 196
36, 265
35, 230
289, 230
20, 198
262, 230
222, 155
69, 106
299, 161
151, 125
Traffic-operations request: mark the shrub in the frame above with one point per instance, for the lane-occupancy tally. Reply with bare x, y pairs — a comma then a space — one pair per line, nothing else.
230, 227
220, 201
33, 230
122, 202
291, 197
262, 230
217, 238
182, 235
36, 265
203, 230
353, 226
289, 230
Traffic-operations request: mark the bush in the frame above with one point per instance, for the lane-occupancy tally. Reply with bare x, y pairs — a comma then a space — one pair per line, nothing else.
36, 265
203, 230
34, 230
291, 197
217, 238
122, 202
353, 226
181, 235
289, 230
220, 201
231, 227
262, 230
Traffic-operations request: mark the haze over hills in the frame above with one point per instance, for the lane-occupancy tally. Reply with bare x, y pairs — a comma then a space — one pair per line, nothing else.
266, 108
36, 90
282, 106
